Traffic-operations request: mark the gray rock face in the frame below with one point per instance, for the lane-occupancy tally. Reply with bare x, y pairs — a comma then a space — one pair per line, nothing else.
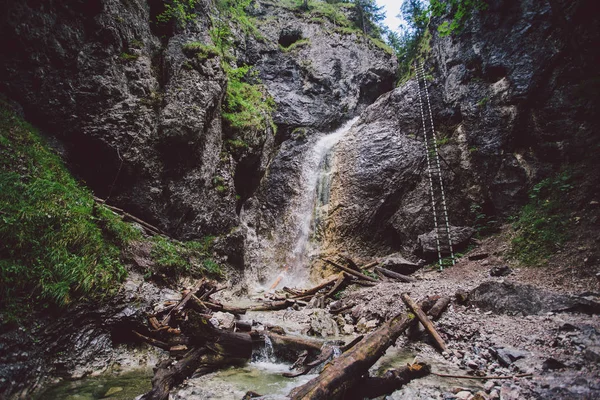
137, 126
319, 83
504, 93
460, 236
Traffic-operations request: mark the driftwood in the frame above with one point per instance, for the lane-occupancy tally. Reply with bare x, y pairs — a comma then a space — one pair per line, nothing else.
341, 376
395, 275
341, 309
357, 274
336, 285
277, 305
425, 321
350, 262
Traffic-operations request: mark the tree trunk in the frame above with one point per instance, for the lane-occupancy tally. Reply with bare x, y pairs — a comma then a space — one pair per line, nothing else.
339, 378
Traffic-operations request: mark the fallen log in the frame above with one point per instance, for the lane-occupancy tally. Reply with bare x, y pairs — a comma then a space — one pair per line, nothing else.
342, 375
350, 271
395, 275
392, 380
277, 305
224, 308
170, 373
319, 287
425, 321
439, 307
341, 309
154, 342
350, 262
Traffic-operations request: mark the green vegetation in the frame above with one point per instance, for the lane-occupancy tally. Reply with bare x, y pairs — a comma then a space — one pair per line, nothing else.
247, 105
295, 45
460, 10
541, 225
442, 141
179, 11
128, 57
413, 43
484, 224
189, 258
56, 243
200, 50
481, 103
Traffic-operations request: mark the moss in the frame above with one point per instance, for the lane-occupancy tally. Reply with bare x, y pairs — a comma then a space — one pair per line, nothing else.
56, 243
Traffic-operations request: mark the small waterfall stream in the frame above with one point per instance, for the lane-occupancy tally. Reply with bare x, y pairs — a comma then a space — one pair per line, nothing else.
310, 207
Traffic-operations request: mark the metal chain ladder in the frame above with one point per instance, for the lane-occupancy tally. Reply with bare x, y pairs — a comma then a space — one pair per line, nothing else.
434, 171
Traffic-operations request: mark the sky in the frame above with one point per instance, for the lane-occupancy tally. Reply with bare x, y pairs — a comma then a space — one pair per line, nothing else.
392, 9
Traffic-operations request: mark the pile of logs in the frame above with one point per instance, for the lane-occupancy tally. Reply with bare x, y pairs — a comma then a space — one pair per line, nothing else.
198, 345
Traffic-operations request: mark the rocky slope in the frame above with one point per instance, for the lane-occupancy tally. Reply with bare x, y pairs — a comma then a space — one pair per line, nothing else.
509, 95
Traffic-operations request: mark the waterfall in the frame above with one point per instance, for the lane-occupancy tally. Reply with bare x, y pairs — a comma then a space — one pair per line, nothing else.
280, 256
311, 205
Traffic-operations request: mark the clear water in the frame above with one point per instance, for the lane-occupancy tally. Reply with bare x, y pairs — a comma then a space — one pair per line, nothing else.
123, 387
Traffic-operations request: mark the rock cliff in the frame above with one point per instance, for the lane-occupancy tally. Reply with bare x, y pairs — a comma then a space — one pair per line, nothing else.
140, 120
512, 101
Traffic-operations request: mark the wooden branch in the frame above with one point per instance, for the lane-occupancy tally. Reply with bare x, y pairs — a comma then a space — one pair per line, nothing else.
424, 320
350, 271
152, 341
168, 374
395, 275
336, 285
350, 262
295, 342
392, 380
224, 308
340, 310
276, 305
126, 215
369, 266
341, 376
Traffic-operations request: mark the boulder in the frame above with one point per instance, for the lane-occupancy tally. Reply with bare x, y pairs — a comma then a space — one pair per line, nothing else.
513, 298
460, 235
397, 263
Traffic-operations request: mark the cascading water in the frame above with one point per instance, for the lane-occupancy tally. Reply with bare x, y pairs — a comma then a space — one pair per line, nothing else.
308, 209
279, 255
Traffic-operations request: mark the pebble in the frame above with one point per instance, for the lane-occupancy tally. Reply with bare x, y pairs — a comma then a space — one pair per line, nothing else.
464, 395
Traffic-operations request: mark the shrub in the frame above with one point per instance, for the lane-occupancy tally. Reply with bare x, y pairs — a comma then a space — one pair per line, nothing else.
247, 105
541, 224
